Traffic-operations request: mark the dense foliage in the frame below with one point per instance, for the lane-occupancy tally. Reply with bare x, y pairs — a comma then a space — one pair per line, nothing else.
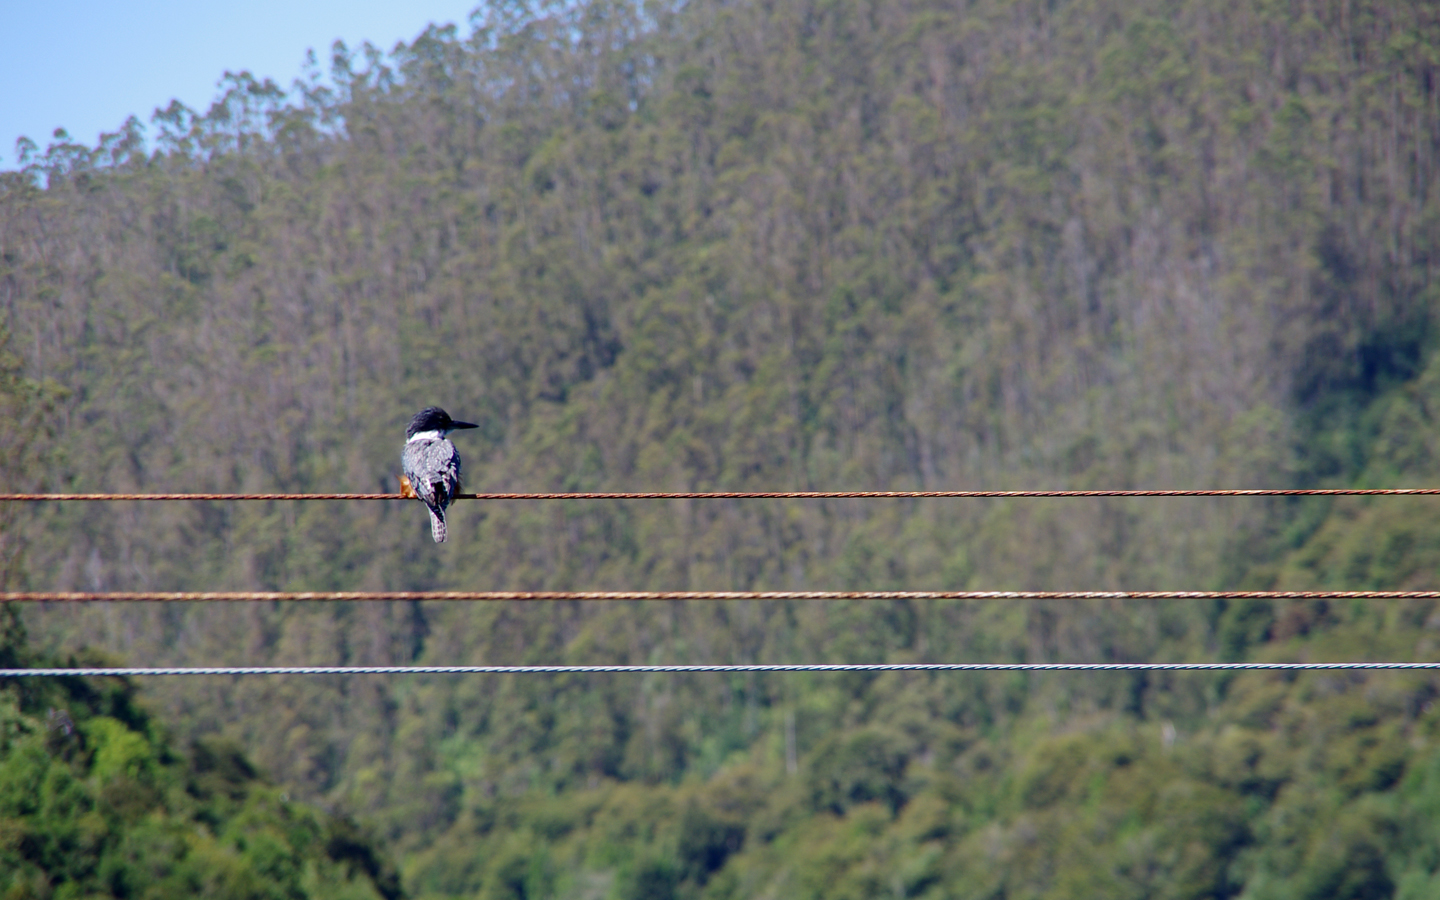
94, 801
839, 244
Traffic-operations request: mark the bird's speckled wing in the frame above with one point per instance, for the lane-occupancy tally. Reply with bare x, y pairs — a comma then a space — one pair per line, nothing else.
433, 468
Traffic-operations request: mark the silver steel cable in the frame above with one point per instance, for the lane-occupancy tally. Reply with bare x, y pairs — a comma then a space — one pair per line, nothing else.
132, 672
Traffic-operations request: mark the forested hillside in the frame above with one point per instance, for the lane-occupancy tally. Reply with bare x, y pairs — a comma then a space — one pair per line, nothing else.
750, 246
96, 801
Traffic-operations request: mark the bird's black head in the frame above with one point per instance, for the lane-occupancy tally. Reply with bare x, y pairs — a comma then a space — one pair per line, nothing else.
433, 418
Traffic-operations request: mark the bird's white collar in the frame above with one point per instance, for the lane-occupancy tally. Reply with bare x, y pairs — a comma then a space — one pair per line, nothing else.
426, 436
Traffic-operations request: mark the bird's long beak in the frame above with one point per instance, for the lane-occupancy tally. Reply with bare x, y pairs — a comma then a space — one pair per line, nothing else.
454, 425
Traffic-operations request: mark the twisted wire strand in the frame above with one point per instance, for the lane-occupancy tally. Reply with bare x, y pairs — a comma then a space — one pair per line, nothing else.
764, 667
754, 495
554, 596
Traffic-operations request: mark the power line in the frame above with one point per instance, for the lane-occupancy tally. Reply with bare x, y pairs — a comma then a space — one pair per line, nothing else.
763, 667
551, 596
755, 495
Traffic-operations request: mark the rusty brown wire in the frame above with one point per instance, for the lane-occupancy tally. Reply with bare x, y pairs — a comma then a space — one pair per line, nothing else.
722, 667
758, 495
532, 596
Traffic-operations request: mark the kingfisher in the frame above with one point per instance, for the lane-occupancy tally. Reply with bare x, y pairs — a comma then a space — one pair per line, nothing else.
431, 464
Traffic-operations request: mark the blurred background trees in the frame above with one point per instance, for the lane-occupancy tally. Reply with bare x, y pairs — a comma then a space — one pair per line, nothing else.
840, 245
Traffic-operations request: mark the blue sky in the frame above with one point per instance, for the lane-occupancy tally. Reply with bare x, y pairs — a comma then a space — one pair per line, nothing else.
85, 65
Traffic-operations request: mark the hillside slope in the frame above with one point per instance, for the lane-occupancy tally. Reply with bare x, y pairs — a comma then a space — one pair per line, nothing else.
733, 246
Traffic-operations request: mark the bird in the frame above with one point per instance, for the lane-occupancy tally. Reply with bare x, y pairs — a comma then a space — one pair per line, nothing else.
431, 463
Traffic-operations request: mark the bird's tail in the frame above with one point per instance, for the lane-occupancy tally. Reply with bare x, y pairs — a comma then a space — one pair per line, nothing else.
437, 524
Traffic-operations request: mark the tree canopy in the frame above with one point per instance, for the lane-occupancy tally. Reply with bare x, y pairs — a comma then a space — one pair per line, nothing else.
836, 244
